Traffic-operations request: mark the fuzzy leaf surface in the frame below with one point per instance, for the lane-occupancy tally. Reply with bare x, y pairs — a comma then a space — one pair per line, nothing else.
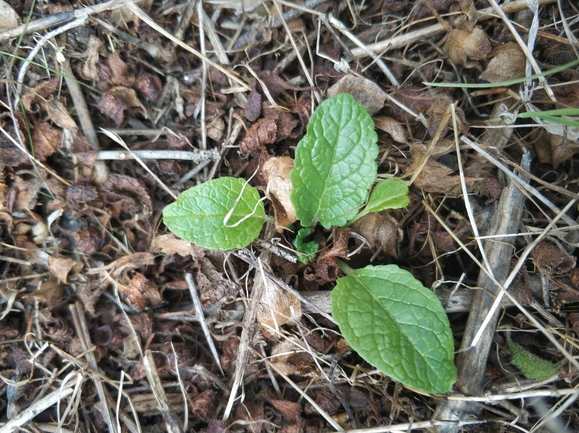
200, 214
531, 365
397, 325
309, 249
334, 164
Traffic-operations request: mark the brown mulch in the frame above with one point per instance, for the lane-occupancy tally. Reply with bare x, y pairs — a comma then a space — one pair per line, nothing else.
108, 112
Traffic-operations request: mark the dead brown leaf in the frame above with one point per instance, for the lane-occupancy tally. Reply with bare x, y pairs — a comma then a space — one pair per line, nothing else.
381, 231
562, 149
170, 244
120, 70
149, 86
365, 91
138, 292
551, 260
276, 172
129, 97
261, 133
507, 63
112, 107
36, 96
58, 113
394, 128
46, 140
62, 266
466, 48
89, 69
252, 109
276, 308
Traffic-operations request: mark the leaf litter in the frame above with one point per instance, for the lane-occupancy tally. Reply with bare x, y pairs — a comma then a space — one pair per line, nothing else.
89, 275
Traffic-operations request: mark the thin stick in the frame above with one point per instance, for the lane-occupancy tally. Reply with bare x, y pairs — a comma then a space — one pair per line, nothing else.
169, 416
201, 318
79, 320
60, 18
182, 155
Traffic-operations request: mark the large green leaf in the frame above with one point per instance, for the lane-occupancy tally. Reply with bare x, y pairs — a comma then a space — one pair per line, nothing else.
334, 164
220, 214
397, 325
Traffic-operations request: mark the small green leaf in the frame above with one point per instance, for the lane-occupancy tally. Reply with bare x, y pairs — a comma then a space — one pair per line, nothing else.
309, 249
387, 194
220, 214
530, 365
334, 164
397, 325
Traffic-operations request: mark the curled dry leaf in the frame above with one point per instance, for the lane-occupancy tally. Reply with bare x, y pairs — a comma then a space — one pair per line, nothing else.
434, 177
262, 132
366, 92
89, 69
464, 48
394, 128
62, 266
49, 293
138, 292
276, 307
46, 140
252, 109
149, 86
113, 108
59, 114
170, 244
562, 149
551, 260
121, 74
507, 63
129, 97
216, 128
381, 231
276, 172
37, 95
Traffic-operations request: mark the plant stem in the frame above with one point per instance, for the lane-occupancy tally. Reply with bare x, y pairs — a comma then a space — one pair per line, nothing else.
345, 268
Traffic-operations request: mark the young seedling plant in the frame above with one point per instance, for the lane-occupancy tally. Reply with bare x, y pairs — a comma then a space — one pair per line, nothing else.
384, 313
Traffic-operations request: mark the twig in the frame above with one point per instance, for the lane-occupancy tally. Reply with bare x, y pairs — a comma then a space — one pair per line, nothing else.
79, 320
120, 141
182, 155
100, 172
37, 408
171, 420
517, 395
201, 319
185, 19
60, 18
41, 42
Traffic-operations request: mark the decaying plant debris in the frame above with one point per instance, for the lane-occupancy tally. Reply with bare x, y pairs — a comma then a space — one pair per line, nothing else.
110, 109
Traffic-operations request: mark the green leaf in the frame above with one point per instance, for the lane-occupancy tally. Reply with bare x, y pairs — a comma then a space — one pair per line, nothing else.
334, 164
387, 194
397, 325
220, 214
309, 249
530, 365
